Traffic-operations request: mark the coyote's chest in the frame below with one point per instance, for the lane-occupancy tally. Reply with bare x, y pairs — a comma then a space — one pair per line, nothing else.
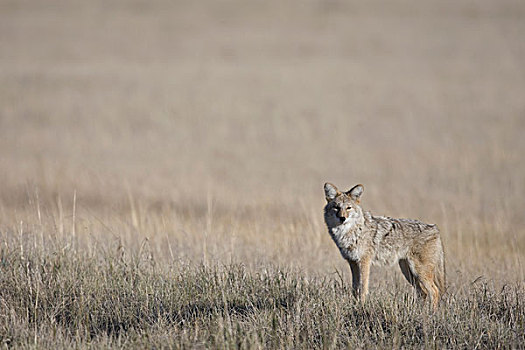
347, 237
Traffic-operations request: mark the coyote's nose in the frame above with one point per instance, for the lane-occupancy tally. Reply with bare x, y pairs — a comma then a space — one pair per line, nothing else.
342, 218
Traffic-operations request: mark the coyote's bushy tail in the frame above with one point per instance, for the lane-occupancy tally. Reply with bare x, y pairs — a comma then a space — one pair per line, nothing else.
439, 271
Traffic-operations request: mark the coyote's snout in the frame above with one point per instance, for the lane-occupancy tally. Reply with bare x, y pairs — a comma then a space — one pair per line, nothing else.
363, 238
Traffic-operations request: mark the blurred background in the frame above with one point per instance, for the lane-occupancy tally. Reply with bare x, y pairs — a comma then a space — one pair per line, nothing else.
209, 127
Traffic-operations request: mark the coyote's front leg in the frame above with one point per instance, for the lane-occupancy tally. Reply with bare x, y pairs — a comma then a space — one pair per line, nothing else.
360, 272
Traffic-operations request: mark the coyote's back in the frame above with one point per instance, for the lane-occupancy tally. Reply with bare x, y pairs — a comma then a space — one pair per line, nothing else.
363, 238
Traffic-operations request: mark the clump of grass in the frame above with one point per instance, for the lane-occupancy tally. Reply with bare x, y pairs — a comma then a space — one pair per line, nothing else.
62, 298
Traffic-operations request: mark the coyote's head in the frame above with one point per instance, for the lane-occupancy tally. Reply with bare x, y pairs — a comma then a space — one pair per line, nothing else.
342, 207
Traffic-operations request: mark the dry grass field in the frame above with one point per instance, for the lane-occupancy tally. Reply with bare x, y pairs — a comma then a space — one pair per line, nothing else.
162, 163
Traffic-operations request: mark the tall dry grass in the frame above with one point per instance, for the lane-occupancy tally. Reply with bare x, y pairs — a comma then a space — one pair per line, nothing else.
189, 133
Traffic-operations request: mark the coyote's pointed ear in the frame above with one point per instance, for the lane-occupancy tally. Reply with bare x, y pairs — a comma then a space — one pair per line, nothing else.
356, 192
330, 191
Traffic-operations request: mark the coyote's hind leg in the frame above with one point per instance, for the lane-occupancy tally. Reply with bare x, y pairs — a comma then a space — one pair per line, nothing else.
421, 276
411, 277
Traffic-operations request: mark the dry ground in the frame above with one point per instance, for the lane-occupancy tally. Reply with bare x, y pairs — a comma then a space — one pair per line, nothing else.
184, 137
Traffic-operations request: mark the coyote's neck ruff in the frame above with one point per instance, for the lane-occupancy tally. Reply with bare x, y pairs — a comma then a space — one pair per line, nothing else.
363, 239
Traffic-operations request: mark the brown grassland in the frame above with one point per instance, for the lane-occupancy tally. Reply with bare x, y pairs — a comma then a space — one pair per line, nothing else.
162, 163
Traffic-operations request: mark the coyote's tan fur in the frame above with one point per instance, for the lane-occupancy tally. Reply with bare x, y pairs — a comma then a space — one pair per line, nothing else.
363, 238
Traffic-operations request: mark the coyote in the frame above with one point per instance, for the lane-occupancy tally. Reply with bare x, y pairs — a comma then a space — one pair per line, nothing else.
363, 238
